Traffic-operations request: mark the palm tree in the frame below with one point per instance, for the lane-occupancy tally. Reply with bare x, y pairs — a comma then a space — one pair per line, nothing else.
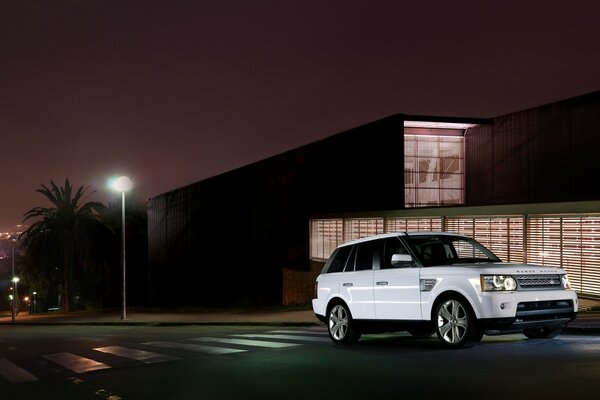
65, 227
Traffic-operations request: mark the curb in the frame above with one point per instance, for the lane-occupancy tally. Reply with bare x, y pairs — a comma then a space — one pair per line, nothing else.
131, 323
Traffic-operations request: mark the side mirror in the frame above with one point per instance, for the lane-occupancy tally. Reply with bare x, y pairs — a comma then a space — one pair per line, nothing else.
401, 259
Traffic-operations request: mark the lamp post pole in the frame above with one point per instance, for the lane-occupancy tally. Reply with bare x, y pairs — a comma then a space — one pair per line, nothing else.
123, 262
14, 302
123, 184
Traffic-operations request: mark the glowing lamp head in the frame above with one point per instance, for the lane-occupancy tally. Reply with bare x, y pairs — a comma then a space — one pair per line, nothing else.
121, 184
15, 279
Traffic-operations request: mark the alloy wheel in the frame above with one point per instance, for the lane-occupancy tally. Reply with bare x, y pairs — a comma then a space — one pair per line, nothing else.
453, 322
338, 322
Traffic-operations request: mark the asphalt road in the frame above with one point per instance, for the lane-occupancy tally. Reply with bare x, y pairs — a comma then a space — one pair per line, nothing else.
204, 362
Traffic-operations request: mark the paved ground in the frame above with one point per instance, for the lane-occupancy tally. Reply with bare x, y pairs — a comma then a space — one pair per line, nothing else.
128, 362
586, 322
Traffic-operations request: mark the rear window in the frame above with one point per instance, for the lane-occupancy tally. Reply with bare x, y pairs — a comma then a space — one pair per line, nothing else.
338, 260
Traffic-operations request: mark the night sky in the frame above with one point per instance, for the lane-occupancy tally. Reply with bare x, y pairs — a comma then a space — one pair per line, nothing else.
172, 92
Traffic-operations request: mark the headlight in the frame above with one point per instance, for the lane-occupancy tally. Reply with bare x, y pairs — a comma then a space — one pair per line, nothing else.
566, 283
495, 283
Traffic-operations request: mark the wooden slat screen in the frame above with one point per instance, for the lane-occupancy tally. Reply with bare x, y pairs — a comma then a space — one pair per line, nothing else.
568, 241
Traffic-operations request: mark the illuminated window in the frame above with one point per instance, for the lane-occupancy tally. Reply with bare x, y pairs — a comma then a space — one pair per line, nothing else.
571, 242
325, 236
358, 228
502, 235
568, 241
413, 224
433, 170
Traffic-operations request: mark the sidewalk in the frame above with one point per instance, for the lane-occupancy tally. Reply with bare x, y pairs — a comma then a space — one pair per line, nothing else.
165, 318
587, 322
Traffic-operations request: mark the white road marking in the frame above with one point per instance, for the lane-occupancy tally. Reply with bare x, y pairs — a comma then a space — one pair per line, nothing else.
246, 342
194, 347
14, 373
307, 332
579, 338
75, 363
285, 337
134, 354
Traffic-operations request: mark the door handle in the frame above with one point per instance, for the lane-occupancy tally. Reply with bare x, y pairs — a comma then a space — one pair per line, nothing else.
348, 284
382, 283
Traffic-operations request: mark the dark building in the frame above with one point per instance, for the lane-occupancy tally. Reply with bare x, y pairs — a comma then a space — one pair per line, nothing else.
258, 235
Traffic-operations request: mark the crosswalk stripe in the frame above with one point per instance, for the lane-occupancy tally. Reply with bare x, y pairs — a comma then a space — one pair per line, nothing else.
134, 354
75, 363
246, 342
306, 332
285, 337
194, 347
14, 373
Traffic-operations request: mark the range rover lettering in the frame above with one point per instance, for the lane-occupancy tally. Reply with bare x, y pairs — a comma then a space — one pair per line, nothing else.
438, 283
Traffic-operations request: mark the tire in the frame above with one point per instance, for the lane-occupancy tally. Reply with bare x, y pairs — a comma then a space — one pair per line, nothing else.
340, 325
455, 324
542, 333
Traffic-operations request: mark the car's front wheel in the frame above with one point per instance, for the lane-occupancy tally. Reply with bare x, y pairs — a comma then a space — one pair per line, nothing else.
456, 325
341, 326
542, 333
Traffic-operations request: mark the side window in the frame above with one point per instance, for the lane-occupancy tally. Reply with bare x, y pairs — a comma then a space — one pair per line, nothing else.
338, 259
351, 258
364, 256
391, 246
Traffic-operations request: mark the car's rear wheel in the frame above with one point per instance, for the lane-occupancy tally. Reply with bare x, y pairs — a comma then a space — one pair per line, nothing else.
341, 325
456, 325
542, 333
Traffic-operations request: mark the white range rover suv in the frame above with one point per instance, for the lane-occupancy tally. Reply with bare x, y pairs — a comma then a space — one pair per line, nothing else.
449, 284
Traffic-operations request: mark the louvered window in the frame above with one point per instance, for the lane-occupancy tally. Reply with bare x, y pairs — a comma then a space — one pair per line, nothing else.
325, 236
433, 170
357, 228
502, 235
413, 224
569, 242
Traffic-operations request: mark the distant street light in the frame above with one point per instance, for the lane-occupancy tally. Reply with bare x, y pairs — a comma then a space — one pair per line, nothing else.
123, 184
34, 295
15, 295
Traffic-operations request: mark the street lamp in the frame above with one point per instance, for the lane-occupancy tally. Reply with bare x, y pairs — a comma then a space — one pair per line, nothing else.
122, 184
34, 301
15, 295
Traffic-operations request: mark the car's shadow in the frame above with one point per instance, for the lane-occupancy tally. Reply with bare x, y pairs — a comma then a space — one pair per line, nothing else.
403, 342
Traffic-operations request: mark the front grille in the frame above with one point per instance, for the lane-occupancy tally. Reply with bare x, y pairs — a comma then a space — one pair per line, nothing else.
545, 281
541, 310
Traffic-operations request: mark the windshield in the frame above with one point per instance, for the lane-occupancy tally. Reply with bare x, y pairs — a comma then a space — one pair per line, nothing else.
446, 249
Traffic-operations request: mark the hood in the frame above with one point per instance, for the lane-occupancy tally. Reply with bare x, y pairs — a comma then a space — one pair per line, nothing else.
503, 268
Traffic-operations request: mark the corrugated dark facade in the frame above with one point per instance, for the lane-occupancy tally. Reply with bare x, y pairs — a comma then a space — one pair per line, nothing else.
231, 235
545, 154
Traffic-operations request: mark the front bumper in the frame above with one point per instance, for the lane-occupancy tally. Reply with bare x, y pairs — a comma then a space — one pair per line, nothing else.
551, 314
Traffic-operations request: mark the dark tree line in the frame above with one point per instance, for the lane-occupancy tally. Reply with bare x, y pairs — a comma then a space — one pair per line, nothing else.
72, 249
